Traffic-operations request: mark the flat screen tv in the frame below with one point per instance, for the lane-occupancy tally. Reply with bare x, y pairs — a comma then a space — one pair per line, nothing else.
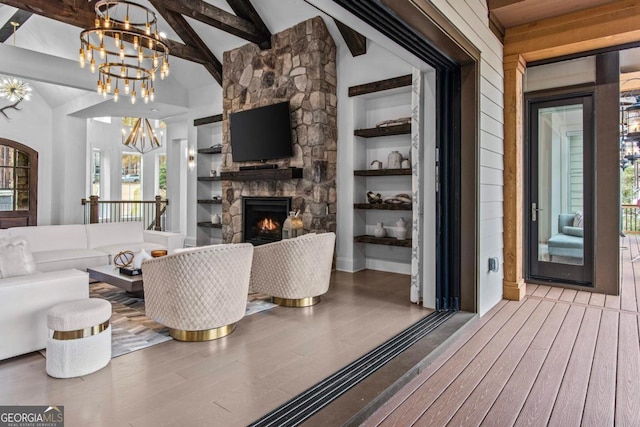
261, 133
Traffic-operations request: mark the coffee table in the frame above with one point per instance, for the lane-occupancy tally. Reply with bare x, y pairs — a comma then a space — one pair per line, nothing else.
110, 274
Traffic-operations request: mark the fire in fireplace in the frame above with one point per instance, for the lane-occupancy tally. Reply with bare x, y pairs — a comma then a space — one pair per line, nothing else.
263, 218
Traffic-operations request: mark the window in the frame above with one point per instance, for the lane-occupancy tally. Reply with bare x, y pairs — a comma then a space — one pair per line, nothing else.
14, 179
162, 176
95, 173
131, 176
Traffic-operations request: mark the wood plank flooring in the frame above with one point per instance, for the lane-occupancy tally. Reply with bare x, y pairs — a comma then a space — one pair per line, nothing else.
271, 357
559, 357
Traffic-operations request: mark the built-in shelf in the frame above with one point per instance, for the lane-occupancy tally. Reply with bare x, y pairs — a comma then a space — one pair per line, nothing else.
384, 206
382, 172
209, 225
387, 241
210, 201
210, 150
208, 120
209, 178
381, 85
403, 129
263, 174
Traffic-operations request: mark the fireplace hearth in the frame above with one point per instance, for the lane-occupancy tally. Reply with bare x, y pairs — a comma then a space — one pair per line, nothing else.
263, 218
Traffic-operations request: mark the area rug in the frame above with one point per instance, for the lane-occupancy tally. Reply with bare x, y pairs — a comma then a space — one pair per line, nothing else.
131, 330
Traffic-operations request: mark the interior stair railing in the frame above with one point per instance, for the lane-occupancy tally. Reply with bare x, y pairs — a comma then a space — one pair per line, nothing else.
152, 213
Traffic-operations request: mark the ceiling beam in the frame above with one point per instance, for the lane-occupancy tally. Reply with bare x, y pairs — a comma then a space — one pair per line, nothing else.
189, 36
211, 15
8, 29
80, 13
245, 10
356, 42
599, 27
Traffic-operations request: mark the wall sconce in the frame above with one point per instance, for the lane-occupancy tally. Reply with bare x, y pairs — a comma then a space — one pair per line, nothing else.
191, 158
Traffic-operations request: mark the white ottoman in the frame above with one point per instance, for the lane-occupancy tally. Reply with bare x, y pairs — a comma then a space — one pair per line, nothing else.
81, 339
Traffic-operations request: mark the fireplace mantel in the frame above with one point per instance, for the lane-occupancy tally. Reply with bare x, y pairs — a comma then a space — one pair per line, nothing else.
262, 174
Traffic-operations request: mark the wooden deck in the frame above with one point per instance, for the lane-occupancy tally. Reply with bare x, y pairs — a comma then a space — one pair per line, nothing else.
559, 357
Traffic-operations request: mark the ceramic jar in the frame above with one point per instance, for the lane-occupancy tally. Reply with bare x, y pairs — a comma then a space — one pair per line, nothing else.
394, 160
406, 164
215, 219
377, 164
379, 231
401, 232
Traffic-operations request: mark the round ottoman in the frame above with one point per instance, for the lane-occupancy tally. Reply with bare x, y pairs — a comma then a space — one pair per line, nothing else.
81, 340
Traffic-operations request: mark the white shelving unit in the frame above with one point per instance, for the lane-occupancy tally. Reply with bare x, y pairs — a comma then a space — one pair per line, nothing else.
209, 186
373, 103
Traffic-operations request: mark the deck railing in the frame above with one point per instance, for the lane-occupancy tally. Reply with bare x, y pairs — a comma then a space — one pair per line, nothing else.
630, 218
152, 213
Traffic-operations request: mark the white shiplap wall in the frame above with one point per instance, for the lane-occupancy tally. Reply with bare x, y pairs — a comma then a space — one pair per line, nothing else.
470, 17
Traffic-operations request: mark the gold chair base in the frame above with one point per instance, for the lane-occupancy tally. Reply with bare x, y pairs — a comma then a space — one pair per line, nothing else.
299, 302
204, 335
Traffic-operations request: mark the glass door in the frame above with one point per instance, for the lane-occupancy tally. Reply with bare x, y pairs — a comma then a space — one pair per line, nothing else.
560, 208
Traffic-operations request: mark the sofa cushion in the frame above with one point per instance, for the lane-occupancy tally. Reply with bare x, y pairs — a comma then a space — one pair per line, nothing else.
110, 234
573, 231
15, 257
53, 237
70, 258
566, 241
578, 220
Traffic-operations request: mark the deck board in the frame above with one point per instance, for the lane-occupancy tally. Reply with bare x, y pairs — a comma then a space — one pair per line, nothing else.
574, 360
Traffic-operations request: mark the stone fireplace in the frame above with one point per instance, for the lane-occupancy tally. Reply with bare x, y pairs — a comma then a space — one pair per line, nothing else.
299, 68
263, 218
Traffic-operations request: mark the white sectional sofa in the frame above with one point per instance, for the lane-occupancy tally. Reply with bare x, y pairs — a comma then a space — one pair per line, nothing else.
59, 252
60, 247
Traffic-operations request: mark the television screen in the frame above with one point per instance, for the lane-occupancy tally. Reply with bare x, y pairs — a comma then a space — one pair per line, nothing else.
261, 133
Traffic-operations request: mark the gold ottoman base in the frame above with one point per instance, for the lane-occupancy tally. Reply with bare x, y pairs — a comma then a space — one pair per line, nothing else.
204, 335
299, 302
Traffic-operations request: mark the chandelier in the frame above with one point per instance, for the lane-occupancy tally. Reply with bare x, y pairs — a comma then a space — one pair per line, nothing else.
128, 48
15, 90
142, 137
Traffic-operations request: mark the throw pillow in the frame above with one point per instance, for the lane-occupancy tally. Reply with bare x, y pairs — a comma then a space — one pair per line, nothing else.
15, 257
578, 220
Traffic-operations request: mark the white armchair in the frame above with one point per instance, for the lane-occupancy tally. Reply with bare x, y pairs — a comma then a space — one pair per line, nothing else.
295, 272
199, 294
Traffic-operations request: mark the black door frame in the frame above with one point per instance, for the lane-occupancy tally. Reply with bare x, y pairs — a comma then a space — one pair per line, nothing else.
547, 272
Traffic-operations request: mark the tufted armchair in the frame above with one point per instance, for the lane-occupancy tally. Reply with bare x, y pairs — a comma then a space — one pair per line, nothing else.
199, 293
294, 271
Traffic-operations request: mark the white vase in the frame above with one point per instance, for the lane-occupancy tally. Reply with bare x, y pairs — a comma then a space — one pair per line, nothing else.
379, 231
215, 219
394, 160
401, 232
139, 257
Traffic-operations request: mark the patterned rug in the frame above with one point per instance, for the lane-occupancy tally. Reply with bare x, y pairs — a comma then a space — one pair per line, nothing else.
131, 330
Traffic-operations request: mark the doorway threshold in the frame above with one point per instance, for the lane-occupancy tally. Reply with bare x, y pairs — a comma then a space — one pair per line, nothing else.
353, 393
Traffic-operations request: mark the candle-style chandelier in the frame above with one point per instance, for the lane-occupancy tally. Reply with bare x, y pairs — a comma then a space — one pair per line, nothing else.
125, 48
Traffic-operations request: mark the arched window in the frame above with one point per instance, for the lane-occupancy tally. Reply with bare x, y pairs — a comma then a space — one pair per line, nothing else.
18, 184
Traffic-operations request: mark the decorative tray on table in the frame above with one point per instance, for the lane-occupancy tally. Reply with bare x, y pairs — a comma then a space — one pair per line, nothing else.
130, 271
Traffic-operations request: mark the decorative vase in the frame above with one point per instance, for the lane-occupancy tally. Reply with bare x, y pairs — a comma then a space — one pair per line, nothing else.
401, 232
406, 164
215, 219
394, 160
379, 231
377, 164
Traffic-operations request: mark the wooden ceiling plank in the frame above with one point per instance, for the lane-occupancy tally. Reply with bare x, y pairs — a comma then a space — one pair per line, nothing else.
81, 14
7, 30
497, 4
213, 16
245, 10
189, 36
356, 42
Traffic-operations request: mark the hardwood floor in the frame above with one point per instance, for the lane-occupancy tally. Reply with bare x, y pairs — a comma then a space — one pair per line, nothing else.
560, 357
271, 357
